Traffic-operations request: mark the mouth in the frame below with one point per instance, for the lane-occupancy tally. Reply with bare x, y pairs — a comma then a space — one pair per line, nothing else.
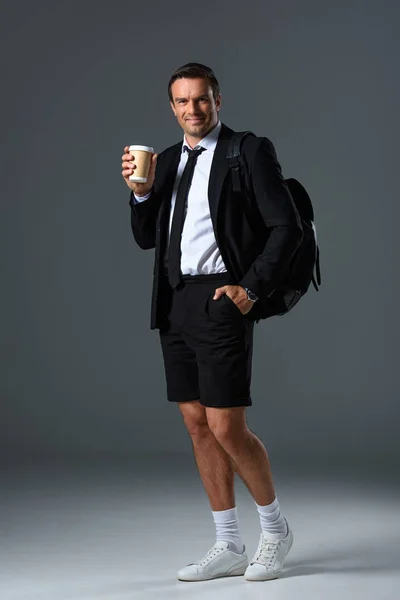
195, 121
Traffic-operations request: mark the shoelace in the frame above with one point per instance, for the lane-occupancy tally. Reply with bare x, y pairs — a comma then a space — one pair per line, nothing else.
209, 556
267, 551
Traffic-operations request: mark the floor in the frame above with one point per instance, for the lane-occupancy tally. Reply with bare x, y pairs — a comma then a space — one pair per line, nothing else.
120, 533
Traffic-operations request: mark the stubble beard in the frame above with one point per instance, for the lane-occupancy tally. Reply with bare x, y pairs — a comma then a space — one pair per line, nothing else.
198, 131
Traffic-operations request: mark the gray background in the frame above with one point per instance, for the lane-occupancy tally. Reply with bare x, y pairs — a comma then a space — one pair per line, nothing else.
81, 373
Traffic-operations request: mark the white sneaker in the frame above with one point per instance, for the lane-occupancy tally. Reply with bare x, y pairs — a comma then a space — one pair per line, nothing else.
267, 562
219, 561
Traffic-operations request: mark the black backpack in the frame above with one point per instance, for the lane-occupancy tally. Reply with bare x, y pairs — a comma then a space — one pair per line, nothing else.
306, 258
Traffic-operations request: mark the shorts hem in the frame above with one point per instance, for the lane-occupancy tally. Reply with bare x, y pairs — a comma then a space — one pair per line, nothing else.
186, 399
239, 402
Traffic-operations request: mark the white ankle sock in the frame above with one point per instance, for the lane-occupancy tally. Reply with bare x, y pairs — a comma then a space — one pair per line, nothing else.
271, 520
227, 528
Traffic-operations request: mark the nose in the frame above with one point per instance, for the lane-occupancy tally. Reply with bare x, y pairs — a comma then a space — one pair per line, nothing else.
192, 108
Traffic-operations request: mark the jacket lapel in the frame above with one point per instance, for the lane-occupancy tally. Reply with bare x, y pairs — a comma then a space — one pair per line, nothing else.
219, 170
168, 179
167, 183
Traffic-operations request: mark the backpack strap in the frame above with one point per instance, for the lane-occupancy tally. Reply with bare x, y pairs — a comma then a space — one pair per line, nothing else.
318, 272
233, 156
295, 188
316, 277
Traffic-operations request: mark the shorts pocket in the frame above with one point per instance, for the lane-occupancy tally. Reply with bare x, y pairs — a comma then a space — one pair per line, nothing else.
232, 305
222, 310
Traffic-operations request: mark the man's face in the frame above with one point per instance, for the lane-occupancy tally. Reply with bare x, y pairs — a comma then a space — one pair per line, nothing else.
194, 106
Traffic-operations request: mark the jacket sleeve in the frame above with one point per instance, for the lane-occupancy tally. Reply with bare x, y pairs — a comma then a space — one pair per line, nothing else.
280, 217
143, 220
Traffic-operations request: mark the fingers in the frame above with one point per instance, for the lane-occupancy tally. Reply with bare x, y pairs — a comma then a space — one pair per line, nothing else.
127, 163
220, 292
127, 169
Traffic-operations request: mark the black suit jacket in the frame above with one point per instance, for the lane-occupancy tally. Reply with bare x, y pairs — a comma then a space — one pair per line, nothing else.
257, 233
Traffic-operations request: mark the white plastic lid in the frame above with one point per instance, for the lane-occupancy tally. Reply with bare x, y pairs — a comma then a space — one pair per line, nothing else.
137, 179
144, 148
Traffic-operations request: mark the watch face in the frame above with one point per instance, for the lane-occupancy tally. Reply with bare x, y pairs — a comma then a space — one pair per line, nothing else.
251, 295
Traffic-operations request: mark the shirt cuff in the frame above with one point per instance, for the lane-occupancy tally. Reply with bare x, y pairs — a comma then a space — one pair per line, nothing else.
138, 199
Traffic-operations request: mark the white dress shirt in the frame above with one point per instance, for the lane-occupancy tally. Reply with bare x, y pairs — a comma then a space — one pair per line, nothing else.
200, 254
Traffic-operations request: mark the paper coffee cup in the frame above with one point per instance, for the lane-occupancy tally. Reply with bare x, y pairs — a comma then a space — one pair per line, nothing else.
142, 161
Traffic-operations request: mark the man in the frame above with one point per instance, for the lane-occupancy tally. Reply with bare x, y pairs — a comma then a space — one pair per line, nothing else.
215, 266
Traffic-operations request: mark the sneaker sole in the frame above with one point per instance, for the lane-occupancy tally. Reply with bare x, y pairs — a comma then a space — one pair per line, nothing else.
234, 573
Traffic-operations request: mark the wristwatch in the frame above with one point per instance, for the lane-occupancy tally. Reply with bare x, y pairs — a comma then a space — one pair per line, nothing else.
250, 295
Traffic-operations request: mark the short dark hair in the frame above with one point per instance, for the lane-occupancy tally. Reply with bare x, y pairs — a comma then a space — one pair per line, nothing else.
194, 70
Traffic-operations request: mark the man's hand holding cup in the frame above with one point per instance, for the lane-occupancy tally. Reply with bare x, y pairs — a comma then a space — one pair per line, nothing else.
139, 168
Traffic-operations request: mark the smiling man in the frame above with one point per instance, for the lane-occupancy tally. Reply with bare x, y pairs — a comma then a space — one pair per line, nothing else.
194, 105
215, 266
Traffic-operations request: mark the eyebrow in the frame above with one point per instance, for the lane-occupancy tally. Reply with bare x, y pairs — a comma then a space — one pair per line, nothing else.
198, 97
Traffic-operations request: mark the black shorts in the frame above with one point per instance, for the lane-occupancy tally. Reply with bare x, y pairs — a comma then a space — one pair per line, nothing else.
207, 345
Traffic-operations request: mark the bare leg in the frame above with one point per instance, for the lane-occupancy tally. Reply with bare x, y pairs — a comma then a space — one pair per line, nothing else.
246, 450
215, 467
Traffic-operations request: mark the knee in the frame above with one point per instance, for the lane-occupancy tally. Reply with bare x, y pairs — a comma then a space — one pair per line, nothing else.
195, 419
222, 432
227, 433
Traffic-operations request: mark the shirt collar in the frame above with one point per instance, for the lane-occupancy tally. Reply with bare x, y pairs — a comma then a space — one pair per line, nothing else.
209, 142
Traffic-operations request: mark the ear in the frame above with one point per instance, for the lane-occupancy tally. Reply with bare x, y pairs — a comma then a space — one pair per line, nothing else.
218, 102
173, 108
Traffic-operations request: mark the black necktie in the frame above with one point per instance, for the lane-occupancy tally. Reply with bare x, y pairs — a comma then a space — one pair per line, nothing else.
174, 251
